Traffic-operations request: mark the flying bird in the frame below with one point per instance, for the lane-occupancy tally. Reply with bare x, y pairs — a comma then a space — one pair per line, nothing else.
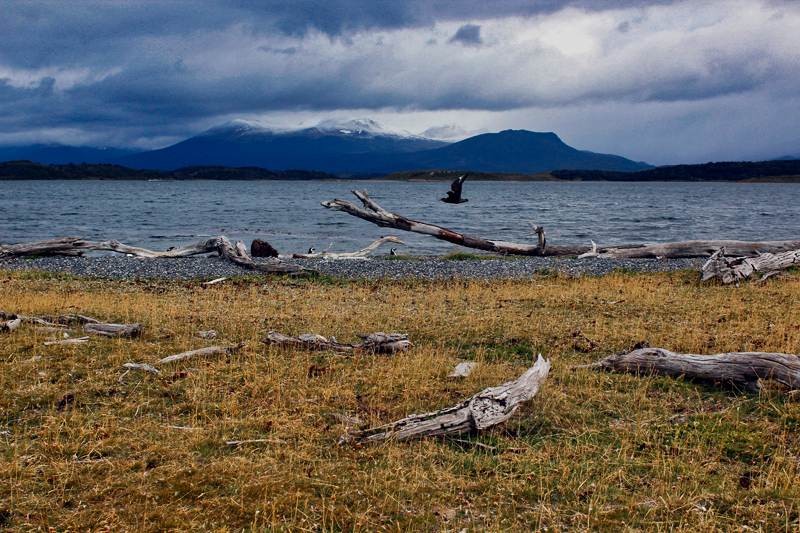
454, 194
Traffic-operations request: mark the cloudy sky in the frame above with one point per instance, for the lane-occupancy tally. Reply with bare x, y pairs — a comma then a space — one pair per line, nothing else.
659, 81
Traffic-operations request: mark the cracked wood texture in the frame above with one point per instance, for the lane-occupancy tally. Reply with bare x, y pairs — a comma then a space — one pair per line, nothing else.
488, 408
742, 369
735, 269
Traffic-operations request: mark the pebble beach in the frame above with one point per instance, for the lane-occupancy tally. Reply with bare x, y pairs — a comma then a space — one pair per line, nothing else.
427, 269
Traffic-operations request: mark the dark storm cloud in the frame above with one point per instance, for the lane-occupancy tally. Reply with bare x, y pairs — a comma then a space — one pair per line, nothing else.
468, 35
158, 69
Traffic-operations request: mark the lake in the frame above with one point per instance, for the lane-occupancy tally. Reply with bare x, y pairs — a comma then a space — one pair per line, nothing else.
288, 214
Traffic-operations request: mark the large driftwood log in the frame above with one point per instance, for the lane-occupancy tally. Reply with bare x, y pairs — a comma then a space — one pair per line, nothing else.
114, 330
378, 342
77, 246
742, 369
735, 269
684, 249
374, 213
488, 408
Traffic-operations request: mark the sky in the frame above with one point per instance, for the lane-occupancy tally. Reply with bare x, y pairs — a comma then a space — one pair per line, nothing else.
666, 82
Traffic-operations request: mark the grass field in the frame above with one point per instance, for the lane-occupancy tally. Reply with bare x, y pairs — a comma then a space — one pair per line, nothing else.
593, 451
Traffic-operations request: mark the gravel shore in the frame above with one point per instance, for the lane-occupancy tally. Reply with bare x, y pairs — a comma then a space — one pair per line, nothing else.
214, 267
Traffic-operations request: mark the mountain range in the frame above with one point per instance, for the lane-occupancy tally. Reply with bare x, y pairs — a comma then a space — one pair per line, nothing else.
359, 147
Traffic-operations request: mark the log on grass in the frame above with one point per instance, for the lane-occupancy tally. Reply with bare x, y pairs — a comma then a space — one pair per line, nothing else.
203, 352
374, 213
114, 330
378, 342
741, 369
735, 269
10, 325
488, 408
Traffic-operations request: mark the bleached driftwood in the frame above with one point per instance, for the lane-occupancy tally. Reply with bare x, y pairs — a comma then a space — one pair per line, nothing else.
254, 441
374, 213
114, 330
203, 352
688, 249
462, 370
488, 408
378, 342
77, 246
735, 269
742, 369
136, 366
78, 340
360, 254
10, 325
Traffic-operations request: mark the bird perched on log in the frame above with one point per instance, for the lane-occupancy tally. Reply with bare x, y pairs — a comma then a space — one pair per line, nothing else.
454, 194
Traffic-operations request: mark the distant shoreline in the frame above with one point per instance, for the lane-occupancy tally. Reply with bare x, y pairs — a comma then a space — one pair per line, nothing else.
782, 171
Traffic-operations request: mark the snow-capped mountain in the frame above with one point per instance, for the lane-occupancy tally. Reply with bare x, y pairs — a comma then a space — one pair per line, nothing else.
347, 146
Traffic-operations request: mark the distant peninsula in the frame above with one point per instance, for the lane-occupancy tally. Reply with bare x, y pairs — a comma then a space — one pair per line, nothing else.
762, 171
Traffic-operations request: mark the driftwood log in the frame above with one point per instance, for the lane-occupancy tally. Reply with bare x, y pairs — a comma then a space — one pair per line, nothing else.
114, 330
10, 325
360, 254
203, 352
488, 408
378, 342
374, 213
61, 322
77, 246
735, 269
741, 369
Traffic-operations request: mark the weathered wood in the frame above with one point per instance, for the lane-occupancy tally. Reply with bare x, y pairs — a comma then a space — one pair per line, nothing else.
10, 325
203, 352
742, 369
735, 269
114, 330
688, 249
76, 246
381, 342
78, 340
488, 408
142, 367
360, 254
70, 318
374, 213
463, 369
378, 342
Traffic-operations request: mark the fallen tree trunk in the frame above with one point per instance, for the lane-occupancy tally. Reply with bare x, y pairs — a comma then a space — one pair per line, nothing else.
488, 408
735, 269
688, 249
114, 330
378, 342
742, 369
76, 246
374, 213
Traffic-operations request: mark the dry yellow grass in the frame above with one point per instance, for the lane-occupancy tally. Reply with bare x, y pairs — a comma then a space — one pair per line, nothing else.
80, 451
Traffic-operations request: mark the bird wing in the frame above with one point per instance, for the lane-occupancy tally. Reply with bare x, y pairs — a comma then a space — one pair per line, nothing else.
457, 184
